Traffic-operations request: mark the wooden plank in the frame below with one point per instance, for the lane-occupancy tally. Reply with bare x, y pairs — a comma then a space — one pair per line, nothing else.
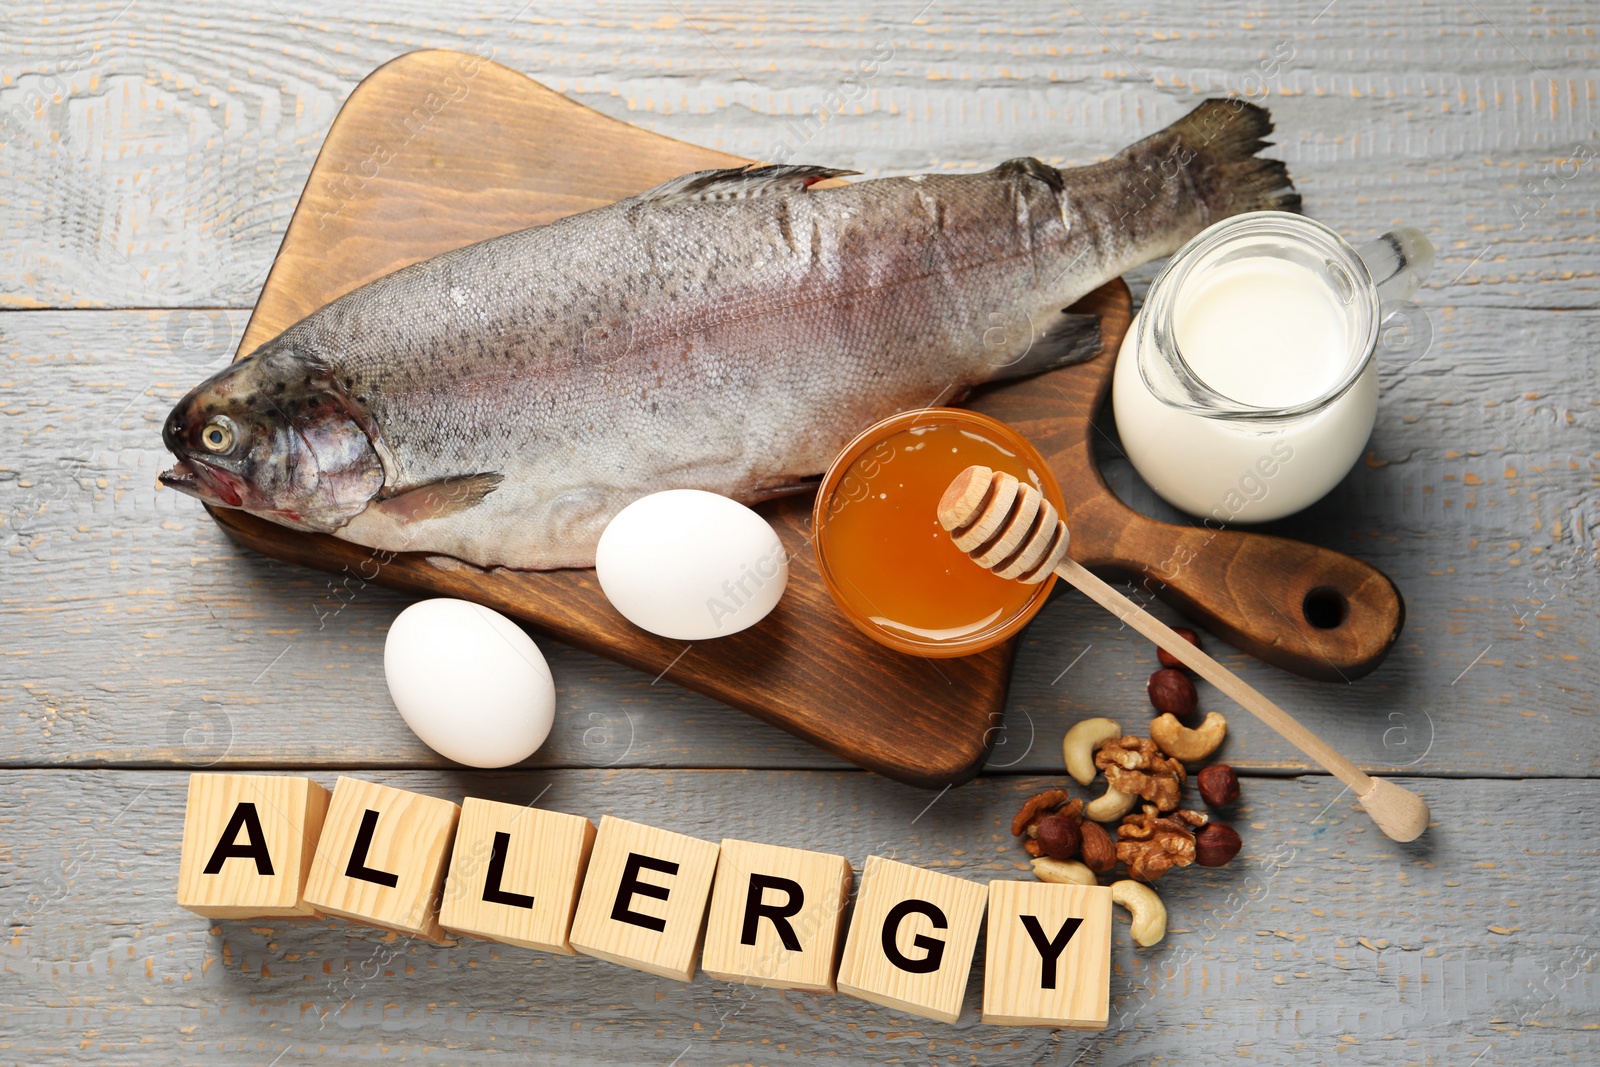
1465, 126
1323, 941
136, 633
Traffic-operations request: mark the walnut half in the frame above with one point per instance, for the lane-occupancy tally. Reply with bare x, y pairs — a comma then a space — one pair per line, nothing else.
1135, 765
1150, 844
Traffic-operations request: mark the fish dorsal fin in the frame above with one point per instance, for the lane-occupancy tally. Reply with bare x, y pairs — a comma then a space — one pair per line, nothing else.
740, 183
1029, 167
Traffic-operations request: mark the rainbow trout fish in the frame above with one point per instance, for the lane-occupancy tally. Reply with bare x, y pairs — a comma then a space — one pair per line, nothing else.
730, 330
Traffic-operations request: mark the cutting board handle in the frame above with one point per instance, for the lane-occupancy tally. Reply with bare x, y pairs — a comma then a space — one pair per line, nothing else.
1307, 609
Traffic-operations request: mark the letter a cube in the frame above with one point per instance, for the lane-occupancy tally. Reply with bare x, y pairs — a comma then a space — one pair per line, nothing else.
248, 840
644, 898
776, 916
382, 857
514, 874
911, 939
1048, 957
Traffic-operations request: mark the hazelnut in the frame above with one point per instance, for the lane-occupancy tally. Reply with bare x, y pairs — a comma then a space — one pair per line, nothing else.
1172, 693
1215, 844
1097, 851
1035, 806
1059, 836
1219, 786
1167, 658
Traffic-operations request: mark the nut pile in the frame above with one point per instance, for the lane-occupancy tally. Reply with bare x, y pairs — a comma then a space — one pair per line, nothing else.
1066, 838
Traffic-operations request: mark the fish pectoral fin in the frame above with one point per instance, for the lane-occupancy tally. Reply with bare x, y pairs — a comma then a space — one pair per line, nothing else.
740, 183
1063, 339
435, 500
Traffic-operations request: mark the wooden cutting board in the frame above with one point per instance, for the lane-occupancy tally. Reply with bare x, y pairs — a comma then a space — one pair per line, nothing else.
440, 149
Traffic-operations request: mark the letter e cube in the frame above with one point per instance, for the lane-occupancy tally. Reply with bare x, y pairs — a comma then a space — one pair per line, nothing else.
644, 898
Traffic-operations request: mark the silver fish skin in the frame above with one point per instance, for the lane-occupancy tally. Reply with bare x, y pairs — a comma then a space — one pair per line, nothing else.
727, 331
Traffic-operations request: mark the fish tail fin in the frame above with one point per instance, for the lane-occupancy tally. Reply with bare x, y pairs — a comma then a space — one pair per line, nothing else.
1216, 146
1210, 154
1199, 170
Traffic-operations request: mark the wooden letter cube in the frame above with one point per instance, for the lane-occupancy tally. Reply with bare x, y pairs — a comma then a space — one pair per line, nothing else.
248, 840
514, 874
382, 857
776, 916
644, 898
1048, 959
911, 939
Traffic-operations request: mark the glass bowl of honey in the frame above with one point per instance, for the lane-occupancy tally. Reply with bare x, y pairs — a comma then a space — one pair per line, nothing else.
893, 570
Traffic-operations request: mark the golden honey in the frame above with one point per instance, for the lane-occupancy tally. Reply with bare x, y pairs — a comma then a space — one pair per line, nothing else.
890, 565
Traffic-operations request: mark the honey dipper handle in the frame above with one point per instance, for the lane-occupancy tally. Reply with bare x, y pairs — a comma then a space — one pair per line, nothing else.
1399, 813
1298, 606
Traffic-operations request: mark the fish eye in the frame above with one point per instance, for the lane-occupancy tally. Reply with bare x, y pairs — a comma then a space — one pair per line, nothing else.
217, 435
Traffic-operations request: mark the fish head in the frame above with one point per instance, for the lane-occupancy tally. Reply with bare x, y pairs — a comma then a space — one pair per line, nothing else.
275, 435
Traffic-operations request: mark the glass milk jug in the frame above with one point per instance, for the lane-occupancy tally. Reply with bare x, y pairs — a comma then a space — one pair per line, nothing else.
1246, 387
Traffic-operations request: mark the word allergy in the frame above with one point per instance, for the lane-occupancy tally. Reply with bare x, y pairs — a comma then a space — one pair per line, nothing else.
257, 846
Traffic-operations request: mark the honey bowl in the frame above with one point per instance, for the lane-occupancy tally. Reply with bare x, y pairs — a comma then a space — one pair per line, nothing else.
891, 568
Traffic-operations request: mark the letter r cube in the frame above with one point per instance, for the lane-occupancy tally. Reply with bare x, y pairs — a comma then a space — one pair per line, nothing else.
777, 915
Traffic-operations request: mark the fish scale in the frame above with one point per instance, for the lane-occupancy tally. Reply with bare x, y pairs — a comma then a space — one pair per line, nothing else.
727, 331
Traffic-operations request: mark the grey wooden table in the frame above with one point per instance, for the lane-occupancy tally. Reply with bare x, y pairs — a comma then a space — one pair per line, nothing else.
150, 157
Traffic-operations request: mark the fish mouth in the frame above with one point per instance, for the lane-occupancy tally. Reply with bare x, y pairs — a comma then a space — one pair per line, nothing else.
202, 482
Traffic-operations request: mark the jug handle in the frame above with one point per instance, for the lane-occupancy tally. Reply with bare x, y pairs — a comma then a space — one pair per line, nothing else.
1398, 261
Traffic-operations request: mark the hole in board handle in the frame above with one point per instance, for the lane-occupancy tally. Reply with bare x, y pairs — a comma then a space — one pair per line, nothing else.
1325, 607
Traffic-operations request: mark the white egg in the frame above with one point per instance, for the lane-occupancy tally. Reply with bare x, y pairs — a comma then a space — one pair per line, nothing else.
469, 682
691, 565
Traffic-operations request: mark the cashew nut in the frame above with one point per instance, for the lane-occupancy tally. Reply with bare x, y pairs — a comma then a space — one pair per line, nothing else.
1079, 744
1149, 914
1182, 743
1111, 807
1065, 872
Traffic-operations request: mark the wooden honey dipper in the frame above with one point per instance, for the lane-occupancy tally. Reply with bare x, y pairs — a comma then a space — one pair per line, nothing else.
1008, 527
